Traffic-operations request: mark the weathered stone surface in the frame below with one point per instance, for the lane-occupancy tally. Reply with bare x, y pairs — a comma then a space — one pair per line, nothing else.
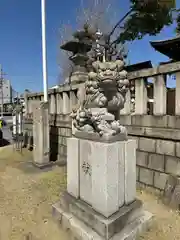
41, 153
73, 167
160, 95
141, 158
105, 172
127, 105
172, 192
69, 209
125, 120
130, 169
105, 177
172, 165
121, 175
66, 103
137, 173
104, 139
136, 139
147, 144
160, 180
146, 176
156, 162
169, 188
160, 69
178, 149
162, 133
174, 122
140, 97
165, 147
85, 169
175, 199
59, 105
136, 130
149, 121
52, 104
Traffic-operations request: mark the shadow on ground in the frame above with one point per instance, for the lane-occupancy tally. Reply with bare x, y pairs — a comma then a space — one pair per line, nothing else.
29, 168
4, 143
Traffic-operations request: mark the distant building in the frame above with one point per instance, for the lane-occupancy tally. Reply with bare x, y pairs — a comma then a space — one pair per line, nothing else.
7, 92
19, 99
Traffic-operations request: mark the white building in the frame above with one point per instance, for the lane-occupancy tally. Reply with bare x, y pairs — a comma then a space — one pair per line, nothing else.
6, 94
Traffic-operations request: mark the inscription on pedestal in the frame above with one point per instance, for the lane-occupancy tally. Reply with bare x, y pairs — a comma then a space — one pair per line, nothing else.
85, 171
86, 167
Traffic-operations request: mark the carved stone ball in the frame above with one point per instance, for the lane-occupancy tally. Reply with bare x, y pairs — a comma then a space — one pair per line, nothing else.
95, 85
123, 82
126, 82
88, 83
114, 125
120, 64
92, 75
123, 74
82, 114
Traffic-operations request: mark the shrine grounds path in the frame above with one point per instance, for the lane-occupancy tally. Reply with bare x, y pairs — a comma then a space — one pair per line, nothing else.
27, 195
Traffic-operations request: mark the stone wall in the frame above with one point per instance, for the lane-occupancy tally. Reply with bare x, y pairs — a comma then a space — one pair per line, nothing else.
158, 147
60, 129
158, 144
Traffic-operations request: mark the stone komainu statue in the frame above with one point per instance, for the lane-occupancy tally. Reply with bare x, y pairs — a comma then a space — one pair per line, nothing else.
105, 92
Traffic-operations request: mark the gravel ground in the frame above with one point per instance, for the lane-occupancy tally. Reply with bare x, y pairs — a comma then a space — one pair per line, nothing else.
26, 198
27, 194
166, 221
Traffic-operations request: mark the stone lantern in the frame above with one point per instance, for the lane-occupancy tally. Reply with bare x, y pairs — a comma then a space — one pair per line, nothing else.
79, 47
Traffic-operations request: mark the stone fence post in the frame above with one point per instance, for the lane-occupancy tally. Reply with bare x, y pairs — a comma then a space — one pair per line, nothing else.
160, 95
140, 97
177, 95
41, 138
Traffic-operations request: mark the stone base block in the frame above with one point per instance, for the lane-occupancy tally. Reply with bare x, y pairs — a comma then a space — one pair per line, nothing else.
86, 224
49, 164
42, 165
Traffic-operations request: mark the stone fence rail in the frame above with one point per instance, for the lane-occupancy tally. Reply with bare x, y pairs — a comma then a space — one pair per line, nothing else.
62, 100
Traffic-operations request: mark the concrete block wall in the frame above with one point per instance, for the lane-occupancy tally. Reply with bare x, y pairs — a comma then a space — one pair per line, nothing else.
60, 130
156, 160
158, 147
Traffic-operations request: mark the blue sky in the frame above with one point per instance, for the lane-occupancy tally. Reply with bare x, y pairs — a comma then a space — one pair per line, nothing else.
20, 40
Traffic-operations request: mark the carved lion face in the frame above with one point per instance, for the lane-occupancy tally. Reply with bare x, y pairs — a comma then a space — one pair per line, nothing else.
108, 73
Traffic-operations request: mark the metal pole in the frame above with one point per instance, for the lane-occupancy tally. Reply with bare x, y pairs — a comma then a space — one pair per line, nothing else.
44, 58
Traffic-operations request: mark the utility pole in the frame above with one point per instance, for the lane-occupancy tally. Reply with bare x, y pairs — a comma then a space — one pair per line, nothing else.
1, 87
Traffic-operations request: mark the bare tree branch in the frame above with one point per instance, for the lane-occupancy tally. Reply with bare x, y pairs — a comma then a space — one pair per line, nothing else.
98, 14
64, 63
120, 21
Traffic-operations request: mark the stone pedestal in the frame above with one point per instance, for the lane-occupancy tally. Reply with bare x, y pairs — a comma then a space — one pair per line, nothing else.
100, 202
41, 142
